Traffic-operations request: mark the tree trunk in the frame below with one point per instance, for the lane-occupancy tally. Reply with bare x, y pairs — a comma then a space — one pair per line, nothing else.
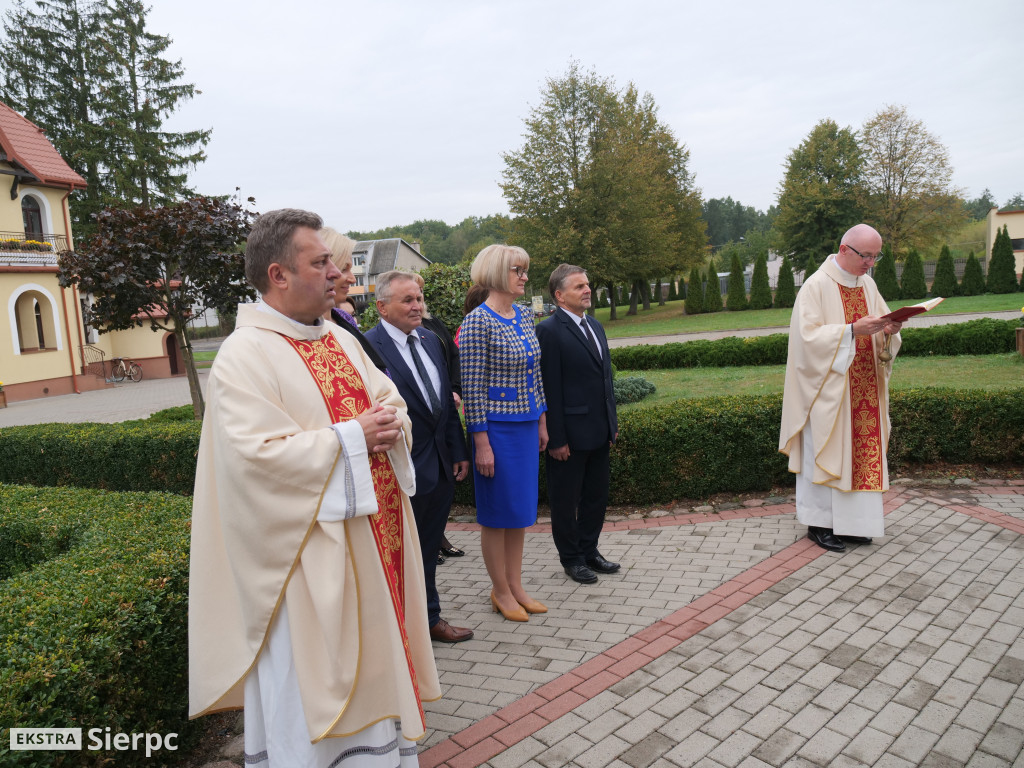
612, 302
659, 294
198, 404
633, 298
645, 293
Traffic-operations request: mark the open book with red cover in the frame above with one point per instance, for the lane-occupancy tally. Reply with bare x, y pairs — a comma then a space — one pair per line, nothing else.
903, 313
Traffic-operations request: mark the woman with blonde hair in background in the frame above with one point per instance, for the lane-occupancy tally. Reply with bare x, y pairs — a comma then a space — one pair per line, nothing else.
505, 415
341, 254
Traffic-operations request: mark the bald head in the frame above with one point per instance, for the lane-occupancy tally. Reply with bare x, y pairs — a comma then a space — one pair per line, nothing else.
859, 248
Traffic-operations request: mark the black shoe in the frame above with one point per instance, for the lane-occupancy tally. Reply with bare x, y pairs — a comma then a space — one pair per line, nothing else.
581, 573
450, 551
854, 539
440, 559
598, 564
825, 539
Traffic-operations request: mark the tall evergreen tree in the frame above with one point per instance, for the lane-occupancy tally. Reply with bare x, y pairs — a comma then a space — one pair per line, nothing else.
760, 290
912, 284
973, 281
737, 291
672, 293
944, 283
694, 293
885, 276
89, 74
1002, 275
713, 291
785, 290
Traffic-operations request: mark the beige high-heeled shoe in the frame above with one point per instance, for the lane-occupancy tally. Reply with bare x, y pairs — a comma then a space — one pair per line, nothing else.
520, 615
534, 606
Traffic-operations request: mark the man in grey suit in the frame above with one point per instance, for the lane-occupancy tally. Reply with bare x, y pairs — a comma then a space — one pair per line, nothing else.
582, 424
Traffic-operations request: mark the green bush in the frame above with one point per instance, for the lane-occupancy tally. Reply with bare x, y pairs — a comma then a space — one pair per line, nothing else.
944, 283
177, 413
1002, 275
977, 337
713, 290
444, 290
785, 290
760, 290
694, 304
737, 290
93, 622
973, 281
885, 276
631, 389
912, 284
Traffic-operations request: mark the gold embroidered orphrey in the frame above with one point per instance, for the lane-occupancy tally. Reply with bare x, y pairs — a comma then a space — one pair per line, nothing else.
864, 407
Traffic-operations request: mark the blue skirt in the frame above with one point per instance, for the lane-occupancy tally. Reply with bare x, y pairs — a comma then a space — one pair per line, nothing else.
509, 499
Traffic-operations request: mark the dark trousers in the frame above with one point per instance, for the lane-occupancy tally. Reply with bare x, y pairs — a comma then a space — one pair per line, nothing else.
431, 513
578, 495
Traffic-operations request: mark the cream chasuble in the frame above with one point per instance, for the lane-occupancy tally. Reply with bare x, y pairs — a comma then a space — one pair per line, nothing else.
287, 537
835, 409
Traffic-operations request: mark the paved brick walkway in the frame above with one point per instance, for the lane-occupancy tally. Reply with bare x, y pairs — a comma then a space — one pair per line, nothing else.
730, 640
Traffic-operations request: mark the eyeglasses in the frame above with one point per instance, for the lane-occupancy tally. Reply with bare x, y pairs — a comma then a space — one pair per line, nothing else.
521, 272
875, 257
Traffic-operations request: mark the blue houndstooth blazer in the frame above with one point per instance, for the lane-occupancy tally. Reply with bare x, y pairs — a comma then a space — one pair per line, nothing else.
501, 378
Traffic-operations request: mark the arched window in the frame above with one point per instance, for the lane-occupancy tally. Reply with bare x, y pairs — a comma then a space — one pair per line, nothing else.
34, 320
32, 216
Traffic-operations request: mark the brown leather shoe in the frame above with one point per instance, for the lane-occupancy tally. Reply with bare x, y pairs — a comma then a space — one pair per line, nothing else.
444, 632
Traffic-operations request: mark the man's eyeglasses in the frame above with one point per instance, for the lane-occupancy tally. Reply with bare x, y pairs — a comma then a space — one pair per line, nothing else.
875, 257
521, 272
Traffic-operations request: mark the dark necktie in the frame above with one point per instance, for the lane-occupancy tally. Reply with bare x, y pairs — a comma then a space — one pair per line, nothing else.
435, 401
590, 336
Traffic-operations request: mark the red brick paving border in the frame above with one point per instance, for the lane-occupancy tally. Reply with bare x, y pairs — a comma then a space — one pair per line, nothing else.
483, 740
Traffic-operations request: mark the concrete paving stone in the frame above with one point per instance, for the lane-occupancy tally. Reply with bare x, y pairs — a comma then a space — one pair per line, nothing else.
981, 617
795, 697
766, 722
1003, 632
641, 701
850, 720
597, 728
978, 716
715, 701
779, 747
691, 749
897, 673
973, 670
835, 696
889, 760
990, 650
893, 718
821, 676
473, 711
916, 694
935, 672
823, 748
597, 705
796, 640
913, 744
956, 693
640, 727
843, 655
726, 722
702, 660
1013, 713
952, 652
783, 677
958, 743
603, 754
558, 729
706, 681
675, 702
869, 745
880, 654
470, 695
648, 751
771, 659
565, 751
684, 724
746, 678
671, 680
633, 683
858, 673
997, 692
1004, 741
984, 760
735, 749
752, 762
809, 720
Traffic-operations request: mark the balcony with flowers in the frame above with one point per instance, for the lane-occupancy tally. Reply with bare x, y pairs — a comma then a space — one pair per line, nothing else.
35, 250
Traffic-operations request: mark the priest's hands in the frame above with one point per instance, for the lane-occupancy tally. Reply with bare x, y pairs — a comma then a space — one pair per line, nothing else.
872, 324
381, 428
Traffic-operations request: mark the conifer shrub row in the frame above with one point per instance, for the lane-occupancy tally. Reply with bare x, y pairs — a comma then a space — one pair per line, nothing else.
985, 336
94, 618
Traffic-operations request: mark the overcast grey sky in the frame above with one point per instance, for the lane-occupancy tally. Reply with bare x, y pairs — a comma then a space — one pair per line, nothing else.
383, 112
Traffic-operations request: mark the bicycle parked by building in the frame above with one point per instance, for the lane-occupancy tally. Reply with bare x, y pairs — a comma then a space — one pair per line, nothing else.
120, 369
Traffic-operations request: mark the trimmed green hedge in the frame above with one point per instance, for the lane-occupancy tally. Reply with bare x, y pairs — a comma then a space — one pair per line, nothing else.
976, 337
93, 618
686, 449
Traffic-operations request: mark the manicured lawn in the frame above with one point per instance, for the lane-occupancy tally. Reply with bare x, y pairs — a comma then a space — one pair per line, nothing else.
670, 318
986, 372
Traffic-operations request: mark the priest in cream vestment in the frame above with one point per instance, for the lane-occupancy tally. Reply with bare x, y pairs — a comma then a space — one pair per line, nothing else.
306, 602
835, 407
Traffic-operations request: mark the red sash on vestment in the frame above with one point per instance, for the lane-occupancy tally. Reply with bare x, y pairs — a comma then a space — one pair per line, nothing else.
864, 409
346, 397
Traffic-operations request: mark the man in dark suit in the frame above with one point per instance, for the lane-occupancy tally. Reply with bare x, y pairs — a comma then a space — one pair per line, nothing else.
582, 424
417, 367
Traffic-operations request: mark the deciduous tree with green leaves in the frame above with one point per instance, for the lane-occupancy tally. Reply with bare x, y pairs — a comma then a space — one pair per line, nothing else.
159, 266
819, 198
907, 182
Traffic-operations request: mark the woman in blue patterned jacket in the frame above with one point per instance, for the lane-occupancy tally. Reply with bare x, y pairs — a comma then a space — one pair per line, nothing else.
504, 402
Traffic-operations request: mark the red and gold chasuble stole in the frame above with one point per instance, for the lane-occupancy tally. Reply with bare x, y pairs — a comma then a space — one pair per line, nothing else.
346, 397
864, 408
